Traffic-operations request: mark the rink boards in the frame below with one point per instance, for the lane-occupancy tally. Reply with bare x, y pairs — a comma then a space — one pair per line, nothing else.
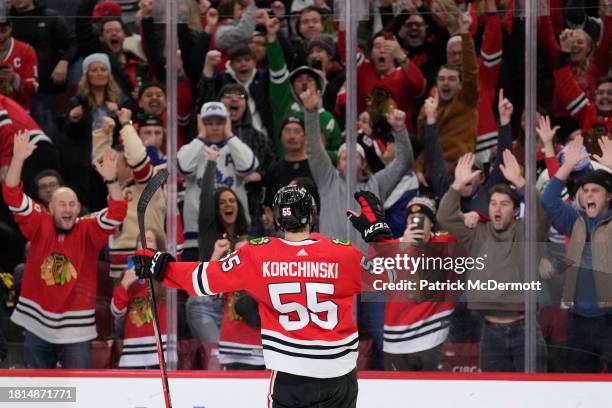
202, 389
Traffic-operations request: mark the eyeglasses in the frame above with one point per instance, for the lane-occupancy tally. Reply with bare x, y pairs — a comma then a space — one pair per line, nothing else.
48, 186
234, 95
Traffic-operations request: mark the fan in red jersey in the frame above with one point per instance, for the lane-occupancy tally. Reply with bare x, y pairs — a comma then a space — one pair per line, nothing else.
304, 288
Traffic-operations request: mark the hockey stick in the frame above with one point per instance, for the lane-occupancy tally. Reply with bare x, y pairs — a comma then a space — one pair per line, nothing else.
152, 186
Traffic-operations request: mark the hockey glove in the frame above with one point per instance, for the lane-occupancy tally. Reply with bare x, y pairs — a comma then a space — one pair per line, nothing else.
371, 223
149, 264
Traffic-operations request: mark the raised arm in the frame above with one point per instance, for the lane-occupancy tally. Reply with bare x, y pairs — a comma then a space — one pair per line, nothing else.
449, 214
388, 177
321, 167
437, 172
563, 215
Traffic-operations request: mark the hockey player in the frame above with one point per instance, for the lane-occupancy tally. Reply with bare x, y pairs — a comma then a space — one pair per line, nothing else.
304, 288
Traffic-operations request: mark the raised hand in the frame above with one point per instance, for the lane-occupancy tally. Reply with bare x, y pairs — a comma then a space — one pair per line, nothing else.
222, 246
505, 108
108, 125
544, 131
211, 153
605, 144
412, 235
124, 116
512, 170
22, 149
471, 219
213, 57
574, 153
212, 19
107, 169
76, 114
566, 39
463, 171
272, 27
431, 108
397, 119
311, 100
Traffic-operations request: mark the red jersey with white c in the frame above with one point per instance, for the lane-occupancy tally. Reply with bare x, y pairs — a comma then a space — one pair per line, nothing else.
305, 293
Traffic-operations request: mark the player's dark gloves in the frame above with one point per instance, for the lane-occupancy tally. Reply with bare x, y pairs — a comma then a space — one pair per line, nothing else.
371, 223
149, 264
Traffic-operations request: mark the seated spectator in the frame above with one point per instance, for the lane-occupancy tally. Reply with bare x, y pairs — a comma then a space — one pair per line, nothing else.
18, 67
130, 299
46, 182
48, 33
225, 220
285, 87
236, 163
587, 275
97, 97
58, 294
501, 239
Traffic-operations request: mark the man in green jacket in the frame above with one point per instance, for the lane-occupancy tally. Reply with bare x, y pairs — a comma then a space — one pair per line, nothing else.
285, 87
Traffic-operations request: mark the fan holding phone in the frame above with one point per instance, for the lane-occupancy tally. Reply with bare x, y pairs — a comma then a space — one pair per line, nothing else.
420, 218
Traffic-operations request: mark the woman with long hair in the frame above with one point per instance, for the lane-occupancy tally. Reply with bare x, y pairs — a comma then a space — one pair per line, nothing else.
221, 216
97, 96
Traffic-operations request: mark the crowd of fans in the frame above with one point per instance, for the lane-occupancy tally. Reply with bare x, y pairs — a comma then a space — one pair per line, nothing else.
261, 103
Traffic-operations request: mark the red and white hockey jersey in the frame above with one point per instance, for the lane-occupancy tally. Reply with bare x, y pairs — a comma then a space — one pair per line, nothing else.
239, 342
139, 344
305, 293
12, 119
58, 291
411, 327
22, 57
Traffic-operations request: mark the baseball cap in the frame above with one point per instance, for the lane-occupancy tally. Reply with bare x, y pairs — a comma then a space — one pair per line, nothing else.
150, 119
213, 110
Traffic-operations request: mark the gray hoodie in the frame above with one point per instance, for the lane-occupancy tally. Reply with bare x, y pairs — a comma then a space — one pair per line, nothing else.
332, 187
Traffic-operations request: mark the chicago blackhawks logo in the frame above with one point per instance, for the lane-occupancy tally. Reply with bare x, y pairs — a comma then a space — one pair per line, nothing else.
56, 269
139, 312
339, 241
259, 241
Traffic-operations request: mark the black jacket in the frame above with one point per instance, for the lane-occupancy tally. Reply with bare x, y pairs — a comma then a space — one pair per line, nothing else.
49, 34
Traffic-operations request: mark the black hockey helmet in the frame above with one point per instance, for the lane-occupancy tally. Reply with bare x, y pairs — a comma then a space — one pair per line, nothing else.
293, 208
